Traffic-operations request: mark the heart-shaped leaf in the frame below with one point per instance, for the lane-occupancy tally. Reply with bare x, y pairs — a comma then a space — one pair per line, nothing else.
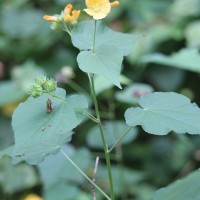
82, 37
105, 61
39, 133
162, 112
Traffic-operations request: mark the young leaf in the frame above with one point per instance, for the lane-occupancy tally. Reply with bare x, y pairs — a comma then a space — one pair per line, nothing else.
39, 133
188, 189
82, 37
105, 61
162, 112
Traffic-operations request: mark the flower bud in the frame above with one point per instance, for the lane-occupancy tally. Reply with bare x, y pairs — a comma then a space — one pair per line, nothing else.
40, 80
50, 85
35, 91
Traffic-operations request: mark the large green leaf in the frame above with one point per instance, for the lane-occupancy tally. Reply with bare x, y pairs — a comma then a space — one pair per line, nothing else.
113, 130
110, 47
162, 112
39, 133
82, 37
105, 61
187, 59
186, 189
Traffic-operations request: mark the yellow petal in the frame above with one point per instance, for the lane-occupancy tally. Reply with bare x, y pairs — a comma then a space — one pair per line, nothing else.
68, 9
68, 18
75, 14
114, 4
32, 197
49, 18
98, 9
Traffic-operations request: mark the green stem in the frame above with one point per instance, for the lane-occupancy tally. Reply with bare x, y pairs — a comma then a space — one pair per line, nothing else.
90, 116
119, 140
102, 155
121, 170
77, 167
67, 28
94, 38
54, 95
107, 156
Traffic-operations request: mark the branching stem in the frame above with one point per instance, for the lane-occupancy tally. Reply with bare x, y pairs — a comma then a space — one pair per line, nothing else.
107, 156
119, 139
77, 167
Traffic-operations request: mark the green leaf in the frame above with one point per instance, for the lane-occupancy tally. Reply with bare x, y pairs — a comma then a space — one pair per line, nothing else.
24, 74
127, 176
187, 188
82, 37
10, 92
39, 133
52, 175
132, 93
78, 103
105, 61
15, 178
192, 33
187, 59
6, 136
110, 47
102, 84
162, 112
159, 77
113, 130
7, 152
27, 27
61, 191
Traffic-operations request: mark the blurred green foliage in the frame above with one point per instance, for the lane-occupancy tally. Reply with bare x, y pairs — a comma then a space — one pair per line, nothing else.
165, 58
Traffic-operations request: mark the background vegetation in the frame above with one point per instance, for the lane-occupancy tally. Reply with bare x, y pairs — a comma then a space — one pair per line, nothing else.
165, 58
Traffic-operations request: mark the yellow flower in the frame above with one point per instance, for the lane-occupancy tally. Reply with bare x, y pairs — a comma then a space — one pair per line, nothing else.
32, 197
99, 9
71, 18
67, 15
